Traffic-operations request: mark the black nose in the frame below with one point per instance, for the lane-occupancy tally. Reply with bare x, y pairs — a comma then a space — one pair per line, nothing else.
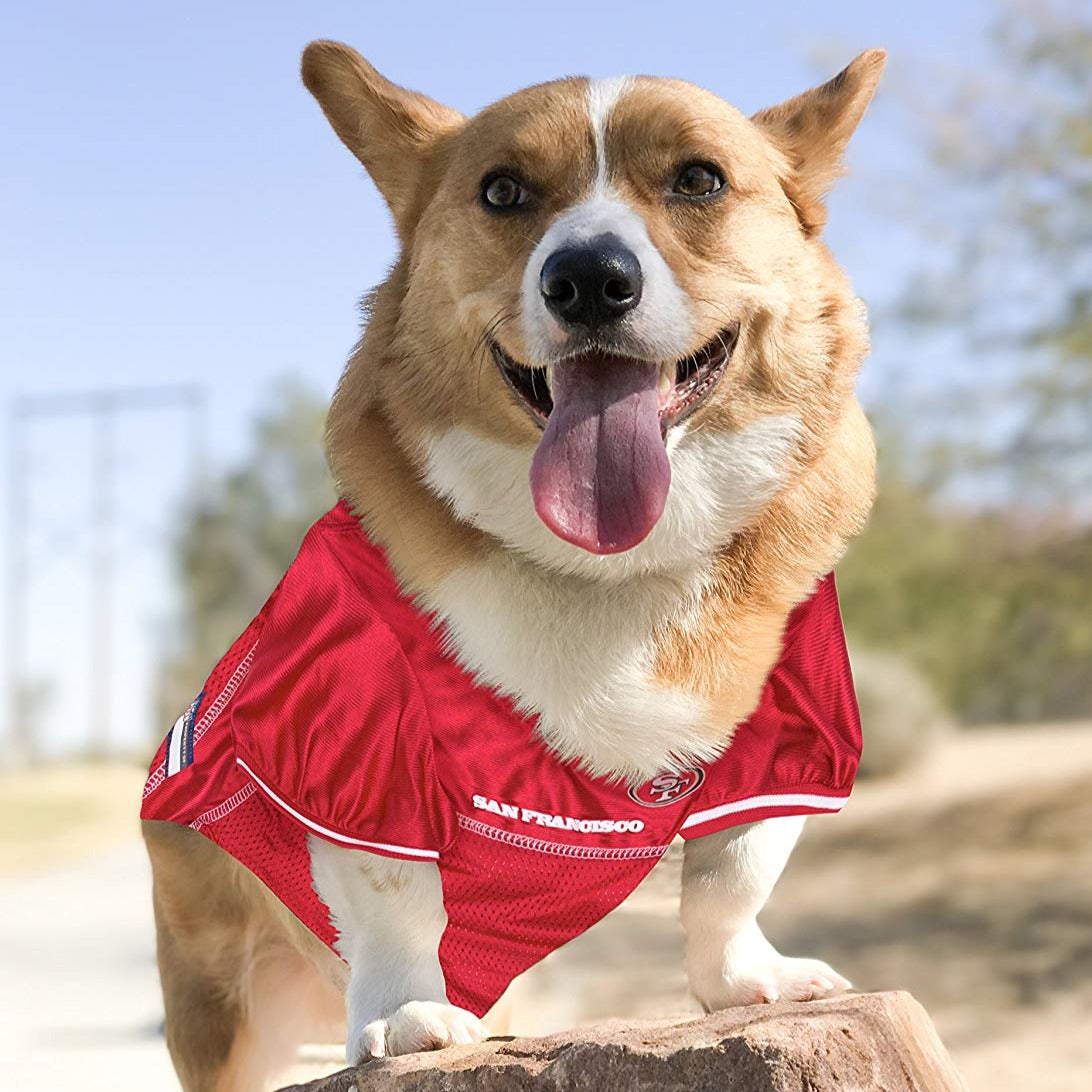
593, 283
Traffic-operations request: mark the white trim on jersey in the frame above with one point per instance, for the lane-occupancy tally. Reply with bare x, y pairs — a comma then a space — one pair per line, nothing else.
774, 800
344, 839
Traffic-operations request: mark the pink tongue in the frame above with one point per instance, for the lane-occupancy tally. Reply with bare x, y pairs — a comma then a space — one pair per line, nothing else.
600, 475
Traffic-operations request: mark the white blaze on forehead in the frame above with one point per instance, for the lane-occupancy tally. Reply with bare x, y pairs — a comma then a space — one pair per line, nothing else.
603, 96
660, 327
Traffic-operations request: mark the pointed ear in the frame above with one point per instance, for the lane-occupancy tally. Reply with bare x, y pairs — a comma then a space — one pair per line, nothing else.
813, 129
389, 129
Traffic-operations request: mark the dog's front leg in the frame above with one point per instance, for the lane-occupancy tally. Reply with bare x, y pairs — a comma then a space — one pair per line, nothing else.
390, 916
727, 878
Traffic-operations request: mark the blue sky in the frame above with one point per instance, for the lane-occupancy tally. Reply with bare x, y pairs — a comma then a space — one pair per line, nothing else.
176, 210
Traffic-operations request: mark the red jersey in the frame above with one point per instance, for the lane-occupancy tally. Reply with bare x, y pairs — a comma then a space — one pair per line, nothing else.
338, 712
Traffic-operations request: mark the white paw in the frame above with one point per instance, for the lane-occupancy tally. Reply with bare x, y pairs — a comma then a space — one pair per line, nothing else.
417, 1025
778, 979
752, 971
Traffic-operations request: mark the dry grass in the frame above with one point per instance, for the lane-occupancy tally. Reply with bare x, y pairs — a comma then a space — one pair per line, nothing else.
55, 813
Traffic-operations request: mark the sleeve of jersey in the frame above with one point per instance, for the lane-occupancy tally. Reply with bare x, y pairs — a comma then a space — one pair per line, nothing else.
331, 725
798, 752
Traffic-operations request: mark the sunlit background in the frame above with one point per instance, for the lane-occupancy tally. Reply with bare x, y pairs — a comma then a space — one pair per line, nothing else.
182, 245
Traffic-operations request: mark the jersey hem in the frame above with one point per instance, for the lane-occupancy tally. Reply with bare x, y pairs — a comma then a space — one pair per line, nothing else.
405, 853
224, 808
810, 800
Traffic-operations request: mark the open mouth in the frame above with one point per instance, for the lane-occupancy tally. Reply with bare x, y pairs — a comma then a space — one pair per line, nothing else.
600, 473
683, 384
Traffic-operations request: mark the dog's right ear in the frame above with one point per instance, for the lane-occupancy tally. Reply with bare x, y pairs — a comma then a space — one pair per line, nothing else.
389, 129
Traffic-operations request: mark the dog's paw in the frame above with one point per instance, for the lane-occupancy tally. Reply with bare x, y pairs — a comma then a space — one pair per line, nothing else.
773, 978
417, 1025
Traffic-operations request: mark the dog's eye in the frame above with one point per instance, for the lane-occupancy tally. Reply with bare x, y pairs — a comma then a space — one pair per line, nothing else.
502, 191
698, 180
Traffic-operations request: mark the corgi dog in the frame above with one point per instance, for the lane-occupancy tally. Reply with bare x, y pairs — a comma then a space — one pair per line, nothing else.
598, 452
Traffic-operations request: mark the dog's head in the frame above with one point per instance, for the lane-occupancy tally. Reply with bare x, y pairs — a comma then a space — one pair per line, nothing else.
613, 334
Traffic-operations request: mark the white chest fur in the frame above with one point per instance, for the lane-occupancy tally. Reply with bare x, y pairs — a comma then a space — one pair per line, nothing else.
580, 654
719, 482
570, 636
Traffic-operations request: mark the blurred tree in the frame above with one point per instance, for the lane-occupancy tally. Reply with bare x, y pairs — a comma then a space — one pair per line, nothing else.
987, 586
238, 536
993, 609
1009, 193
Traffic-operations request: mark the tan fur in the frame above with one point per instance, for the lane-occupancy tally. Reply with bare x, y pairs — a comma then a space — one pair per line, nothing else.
244, 981
423, 365
813, 129
382, 124
765, 573
770, 568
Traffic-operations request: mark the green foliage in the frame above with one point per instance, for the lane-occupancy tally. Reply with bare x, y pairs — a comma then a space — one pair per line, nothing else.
995, 611
240, 534
977, 564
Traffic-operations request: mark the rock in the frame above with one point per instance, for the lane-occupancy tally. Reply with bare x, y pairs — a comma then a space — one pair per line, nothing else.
880, 1042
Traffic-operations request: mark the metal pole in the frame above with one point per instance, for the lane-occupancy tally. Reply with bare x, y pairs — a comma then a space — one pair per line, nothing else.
103, 407
102, 576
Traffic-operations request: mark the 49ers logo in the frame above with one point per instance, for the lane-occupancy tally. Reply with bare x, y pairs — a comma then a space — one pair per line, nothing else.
667, 788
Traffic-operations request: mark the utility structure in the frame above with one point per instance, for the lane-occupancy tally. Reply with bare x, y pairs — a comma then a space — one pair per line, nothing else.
102, 408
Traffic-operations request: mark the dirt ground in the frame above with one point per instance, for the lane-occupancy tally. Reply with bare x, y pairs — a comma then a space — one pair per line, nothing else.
967, 881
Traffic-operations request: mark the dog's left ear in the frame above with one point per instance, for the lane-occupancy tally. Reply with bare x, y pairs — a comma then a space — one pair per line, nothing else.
390, 129
813, 129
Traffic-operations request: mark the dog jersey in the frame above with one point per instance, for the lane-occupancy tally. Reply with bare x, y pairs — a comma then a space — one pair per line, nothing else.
341, 713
